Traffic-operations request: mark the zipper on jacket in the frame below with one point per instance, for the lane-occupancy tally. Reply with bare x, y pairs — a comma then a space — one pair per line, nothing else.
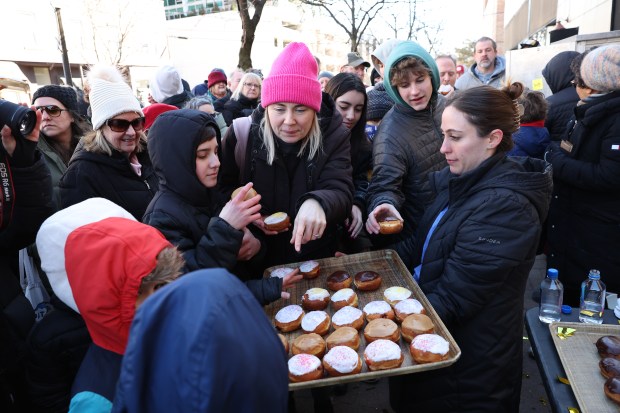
147, 185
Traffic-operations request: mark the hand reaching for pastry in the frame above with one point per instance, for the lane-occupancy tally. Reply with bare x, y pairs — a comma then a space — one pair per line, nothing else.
288, 281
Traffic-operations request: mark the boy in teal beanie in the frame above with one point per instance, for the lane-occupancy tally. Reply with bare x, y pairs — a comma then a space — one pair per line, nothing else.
406, 147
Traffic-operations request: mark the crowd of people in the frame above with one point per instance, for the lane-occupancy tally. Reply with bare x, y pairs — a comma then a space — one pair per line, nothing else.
148, 241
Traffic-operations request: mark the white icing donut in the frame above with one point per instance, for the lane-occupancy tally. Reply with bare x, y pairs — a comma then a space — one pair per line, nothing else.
382, 350
409, 306
308, 266
317, 294
431, 343
342, 359
346, 315
275, 218
312, 319
397, 293
289, 313
342, 295
281, 272
303, 364
377, 307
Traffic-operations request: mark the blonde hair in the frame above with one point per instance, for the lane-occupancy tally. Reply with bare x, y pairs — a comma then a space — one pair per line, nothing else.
253, 76
314, 139
96, 142
169, 266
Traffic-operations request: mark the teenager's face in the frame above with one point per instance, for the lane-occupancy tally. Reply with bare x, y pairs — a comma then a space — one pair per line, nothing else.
350, 106
207, 163
290, 122
463, 148
417, 90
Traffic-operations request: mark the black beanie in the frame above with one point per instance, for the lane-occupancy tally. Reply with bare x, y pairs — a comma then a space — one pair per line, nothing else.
64, 94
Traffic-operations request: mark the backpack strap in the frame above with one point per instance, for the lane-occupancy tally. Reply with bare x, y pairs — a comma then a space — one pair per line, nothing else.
241, 127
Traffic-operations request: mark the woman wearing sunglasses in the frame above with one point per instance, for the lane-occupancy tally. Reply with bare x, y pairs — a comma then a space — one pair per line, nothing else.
61, 129
113, 163
244, 99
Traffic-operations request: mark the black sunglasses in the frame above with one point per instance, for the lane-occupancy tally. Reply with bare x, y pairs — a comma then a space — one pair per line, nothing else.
121, 125
52, 110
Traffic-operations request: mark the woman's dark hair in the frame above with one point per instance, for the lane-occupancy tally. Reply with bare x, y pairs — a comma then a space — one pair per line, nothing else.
343, 83
487, 108
534, 106
575, 67
80, 126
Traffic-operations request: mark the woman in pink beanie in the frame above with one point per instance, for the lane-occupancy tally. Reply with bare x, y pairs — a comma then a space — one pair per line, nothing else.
297, 154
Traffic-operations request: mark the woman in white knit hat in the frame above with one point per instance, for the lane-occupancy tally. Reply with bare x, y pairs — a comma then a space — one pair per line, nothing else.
113, 162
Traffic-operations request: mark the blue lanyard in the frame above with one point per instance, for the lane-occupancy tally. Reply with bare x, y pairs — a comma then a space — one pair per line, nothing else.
418, 270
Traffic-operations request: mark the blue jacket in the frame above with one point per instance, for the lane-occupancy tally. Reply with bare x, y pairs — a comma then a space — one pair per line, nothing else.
530, 141
203, 344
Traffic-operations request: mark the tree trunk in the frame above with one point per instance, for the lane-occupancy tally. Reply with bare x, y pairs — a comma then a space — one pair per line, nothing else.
248, 26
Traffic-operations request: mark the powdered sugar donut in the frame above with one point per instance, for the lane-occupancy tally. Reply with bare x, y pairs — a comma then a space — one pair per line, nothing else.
429, 348
407, 307
383, 355
281, 272
316, 322
378, 309
309, 269
315, 299
342, 361
289, 318
395, 294
344, 297
348, 316
304, 367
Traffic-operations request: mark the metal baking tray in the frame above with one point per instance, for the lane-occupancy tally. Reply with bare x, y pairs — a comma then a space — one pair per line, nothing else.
393, 273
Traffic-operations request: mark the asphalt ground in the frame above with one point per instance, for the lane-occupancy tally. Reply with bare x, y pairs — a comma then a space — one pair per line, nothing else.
362, 397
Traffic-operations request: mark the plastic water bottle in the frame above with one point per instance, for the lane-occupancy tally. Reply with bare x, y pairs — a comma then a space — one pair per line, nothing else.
551, 293
592, 301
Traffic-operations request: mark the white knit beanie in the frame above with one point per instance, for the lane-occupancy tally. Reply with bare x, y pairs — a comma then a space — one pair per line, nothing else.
166, 83
109, 95
53, 234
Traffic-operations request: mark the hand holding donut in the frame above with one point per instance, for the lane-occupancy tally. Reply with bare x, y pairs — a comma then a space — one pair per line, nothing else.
382, 213
309, 223
239, 212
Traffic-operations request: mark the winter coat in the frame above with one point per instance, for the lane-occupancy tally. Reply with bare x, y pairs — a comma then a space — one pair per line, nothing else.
325, 178
112, 177
405, 150
361, 160
474, 272
55, 163
238, 108
116, 253
186, 211
530, 141
584, 219
33, 204
218, 103
558, 75
470, 79
233, 362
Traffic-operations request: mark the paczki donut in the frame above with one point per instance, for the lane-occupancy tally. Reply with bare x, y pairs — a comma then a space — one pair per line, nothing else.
344, 297
383, 355
390, 225
339, 280
309, 344
316, 322
315, 299
429, 348
404, 308
396, 294
342, 361
309, 269
381, 329
304, 367
249, 195
348, 317
415, 324
344, 336
289, 318
277, 222
367, 281
378, 309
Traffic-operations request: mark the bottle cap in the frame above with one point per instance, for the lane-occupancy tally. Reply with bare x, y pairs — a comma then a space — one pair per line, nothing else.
594, 275
567, 309
552, 273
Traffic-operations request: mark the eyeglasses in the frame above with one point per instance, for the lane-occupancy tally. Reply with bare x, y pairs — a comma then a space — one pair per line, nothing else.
251, 85
52, 110
121, 125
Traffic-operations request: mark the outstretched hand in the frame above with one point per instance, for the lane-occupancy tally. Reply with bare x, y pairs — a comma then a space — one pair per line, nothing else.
288, 281
380, 213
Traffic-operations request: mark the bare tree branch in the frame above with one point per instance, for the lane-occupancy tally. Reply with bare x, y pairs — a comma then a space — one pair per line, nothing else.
248, 25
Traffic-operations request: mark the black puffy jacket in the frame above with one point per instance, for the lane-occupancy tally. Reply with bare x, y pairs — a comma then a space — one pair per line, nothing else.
558, 75
405, 150
584, 219
240, 107
184, 210
474, 272
111, 177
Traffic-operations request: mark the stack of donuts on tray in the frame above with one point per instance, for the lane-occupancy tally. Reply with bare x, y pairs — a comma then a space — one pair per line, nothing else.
329, 345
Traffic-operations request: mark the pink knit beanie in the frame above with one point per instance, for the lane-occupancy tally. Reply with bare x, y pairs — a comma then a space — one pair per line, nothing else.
293, 79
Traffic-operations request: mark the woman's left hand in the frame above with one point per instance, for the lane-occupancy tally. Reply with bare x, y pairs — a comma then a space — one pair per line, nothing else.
309, 223
355, 225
